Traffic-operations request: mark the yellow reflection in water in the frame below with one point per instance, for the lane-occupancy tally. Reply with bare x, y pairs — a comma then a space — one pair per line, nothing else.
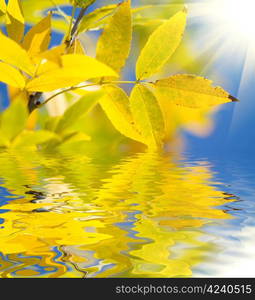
143, 217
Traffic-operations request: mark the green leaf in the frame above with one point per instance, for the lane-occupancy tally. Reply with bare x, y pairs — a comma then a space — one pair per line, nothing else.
13, 120
28, 139
147, 116
14, 54
191, 91
75, 69
115, 103
77, 110
38, 37
51, 123
11, 76
114, 44
15, 20
161, 45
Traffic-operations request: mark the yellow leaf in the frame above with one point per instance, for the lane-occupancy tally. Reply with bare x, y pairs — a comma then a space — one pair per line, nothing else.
191, 91
4, 142
147, 116
77, 110
15, 20
14, 54
114, 44
115, 103
161, 45
93, 19
53, 57
76, 48
75, 69
2, 7
38, 37
11, 76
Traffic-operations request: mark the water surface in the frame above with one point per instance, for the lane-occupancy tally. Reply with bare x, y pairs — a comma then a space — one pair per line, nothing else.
145, 215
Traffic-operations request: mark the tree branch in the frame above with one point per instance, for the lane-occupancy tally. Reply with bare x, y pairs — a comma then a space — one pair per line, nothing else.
77, 22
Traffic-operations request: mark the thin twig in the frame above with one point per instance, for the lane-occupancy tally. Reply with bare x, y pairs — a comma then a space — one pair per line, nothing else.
66, 90
83, 86
77, 22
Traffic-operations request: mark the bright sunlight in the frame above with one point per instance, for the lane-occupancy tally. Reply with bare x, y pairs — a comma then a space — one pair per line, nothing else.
236, 16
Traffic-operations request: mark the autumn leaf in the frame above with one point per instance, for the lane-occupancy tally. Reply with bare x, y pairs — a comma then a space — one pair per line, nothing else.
191, 91
15, 20
13, 120
144, 117
96, 17
75, 69
11, 76
52, 55
161, 45
38, 37
12, 53
114, 44
30, 139
77, 110
147, 116
2, 7
115, 103
82, 3
76, 48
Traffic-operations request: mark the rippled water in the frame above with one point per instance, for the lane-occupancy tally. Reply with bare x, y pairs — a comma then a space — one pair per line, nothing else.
147, 215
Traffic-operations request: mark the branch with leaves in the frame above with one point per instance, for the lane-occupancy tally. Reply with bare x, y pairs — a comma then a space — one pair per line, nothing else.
33, 70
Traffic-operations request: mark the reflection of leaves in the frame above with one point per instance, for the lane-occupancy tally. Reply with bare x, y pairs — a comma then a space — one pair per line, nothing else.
148, 204
164, 197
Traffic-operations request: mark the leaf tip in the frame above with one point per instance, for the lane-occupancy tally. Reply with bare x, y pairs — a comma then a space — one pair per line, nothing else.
185, 9
233, 99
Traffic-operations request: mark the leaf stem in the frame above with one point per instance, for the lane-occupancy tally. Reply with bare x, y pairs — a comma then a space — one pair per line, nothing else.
83, 86
122, 82
66, 90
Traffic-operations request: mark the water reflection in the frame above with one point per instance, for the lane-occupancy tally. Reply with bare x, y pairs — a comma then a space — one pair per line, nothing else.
145, 216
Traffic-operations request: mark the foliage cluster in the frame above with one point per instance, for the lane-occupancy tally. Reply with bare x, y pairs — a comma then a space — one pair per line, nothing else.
37, 73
